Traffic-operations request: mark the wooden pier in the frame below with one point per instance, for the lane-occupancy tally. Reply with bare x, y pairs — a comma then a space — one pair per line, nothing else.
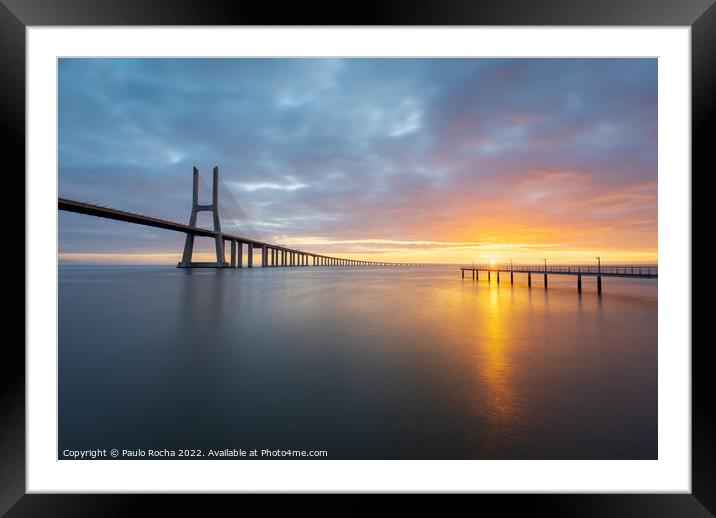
628, 271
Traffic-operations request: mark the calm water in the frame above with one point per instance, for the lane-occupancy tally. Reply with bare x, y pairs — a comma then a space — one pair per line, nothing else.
363, 363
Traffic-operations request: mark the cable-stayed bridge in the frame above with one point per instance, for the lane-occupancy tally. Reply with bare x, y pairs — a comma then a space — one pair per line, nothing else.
271, 254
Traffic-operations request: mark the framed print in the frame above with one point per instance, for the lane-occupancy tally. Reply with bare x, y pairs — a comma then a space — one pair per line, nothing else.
414, 250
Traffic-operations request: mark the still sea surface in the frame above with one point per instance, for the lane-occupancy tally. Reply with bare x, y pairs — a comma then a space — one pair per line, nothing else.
360, 362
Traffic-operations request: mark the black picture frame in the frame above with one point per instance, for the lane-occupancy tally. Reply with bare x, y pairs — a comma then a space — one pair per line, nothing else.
16, 15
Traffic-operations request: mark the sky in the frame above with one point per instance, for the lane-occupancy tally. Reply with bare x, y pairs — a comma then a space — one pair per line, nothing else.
434, 160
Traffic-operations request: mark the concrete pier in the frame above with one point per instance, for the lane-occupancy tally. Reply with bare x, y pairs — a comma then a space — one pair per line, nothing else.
634, 272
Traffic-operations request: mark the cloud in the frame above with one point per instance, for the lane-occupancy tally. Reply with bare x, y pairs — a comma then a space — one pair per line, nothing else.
373, 150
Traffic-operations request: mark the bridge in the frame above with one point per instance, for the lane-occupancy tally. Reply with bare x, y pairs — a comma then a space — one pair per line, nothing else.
271, 254
599, 271
279, 255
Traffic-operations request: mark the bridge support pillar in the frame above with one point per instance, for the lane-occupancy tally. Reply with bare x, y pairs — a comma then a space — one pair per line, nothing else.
489, 276
512, 278
545, 280
233, 253
240, 254
529, 280
186, 261
498, 276
579, 283
250, 255
599, 284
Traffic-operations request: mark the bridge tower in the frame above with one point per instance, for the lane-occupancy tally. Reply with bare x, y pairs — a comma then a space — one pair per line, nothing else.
186, 261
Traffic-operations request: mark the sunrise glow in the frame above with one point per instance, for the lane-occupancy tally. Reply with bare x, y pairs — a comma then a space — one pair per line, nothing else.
421, 160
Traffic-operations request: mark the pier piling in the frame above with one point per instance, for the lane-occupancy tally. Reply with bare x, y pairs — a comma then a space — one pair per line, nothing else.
578, 271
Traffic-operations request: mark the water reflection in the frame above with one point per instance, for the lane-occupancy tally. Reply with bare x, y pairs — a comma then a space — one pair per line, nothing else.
495, 367
366, 363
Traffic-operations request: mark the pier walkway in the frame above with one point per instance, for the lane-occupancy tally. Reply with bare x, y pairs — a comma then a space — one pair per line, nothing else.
628, 271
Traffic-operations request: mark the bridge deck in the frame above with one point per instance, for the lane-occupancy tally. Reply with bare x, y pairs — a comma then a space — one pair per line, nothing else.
140, 219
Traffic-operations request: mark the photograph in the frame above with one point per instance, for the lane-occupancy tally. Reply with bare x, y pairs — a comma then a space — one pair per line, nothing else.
357, 258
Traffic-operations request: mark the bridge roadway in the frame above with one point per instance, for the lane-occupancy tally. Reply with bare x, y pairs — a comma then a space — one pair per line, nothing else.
280, 255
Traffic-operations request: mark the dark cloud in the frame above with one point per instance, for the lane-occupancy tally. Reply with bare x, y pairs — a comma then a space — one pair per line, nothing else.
361, 148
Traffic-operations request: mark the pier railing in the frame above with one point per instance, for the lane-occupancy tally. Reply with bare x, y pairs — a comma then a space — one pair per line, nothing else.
625, 270
636, 271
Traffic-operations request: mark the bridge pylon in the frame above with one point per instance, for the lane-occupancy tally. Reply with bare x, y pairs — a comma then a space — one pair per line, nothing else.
186, 261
